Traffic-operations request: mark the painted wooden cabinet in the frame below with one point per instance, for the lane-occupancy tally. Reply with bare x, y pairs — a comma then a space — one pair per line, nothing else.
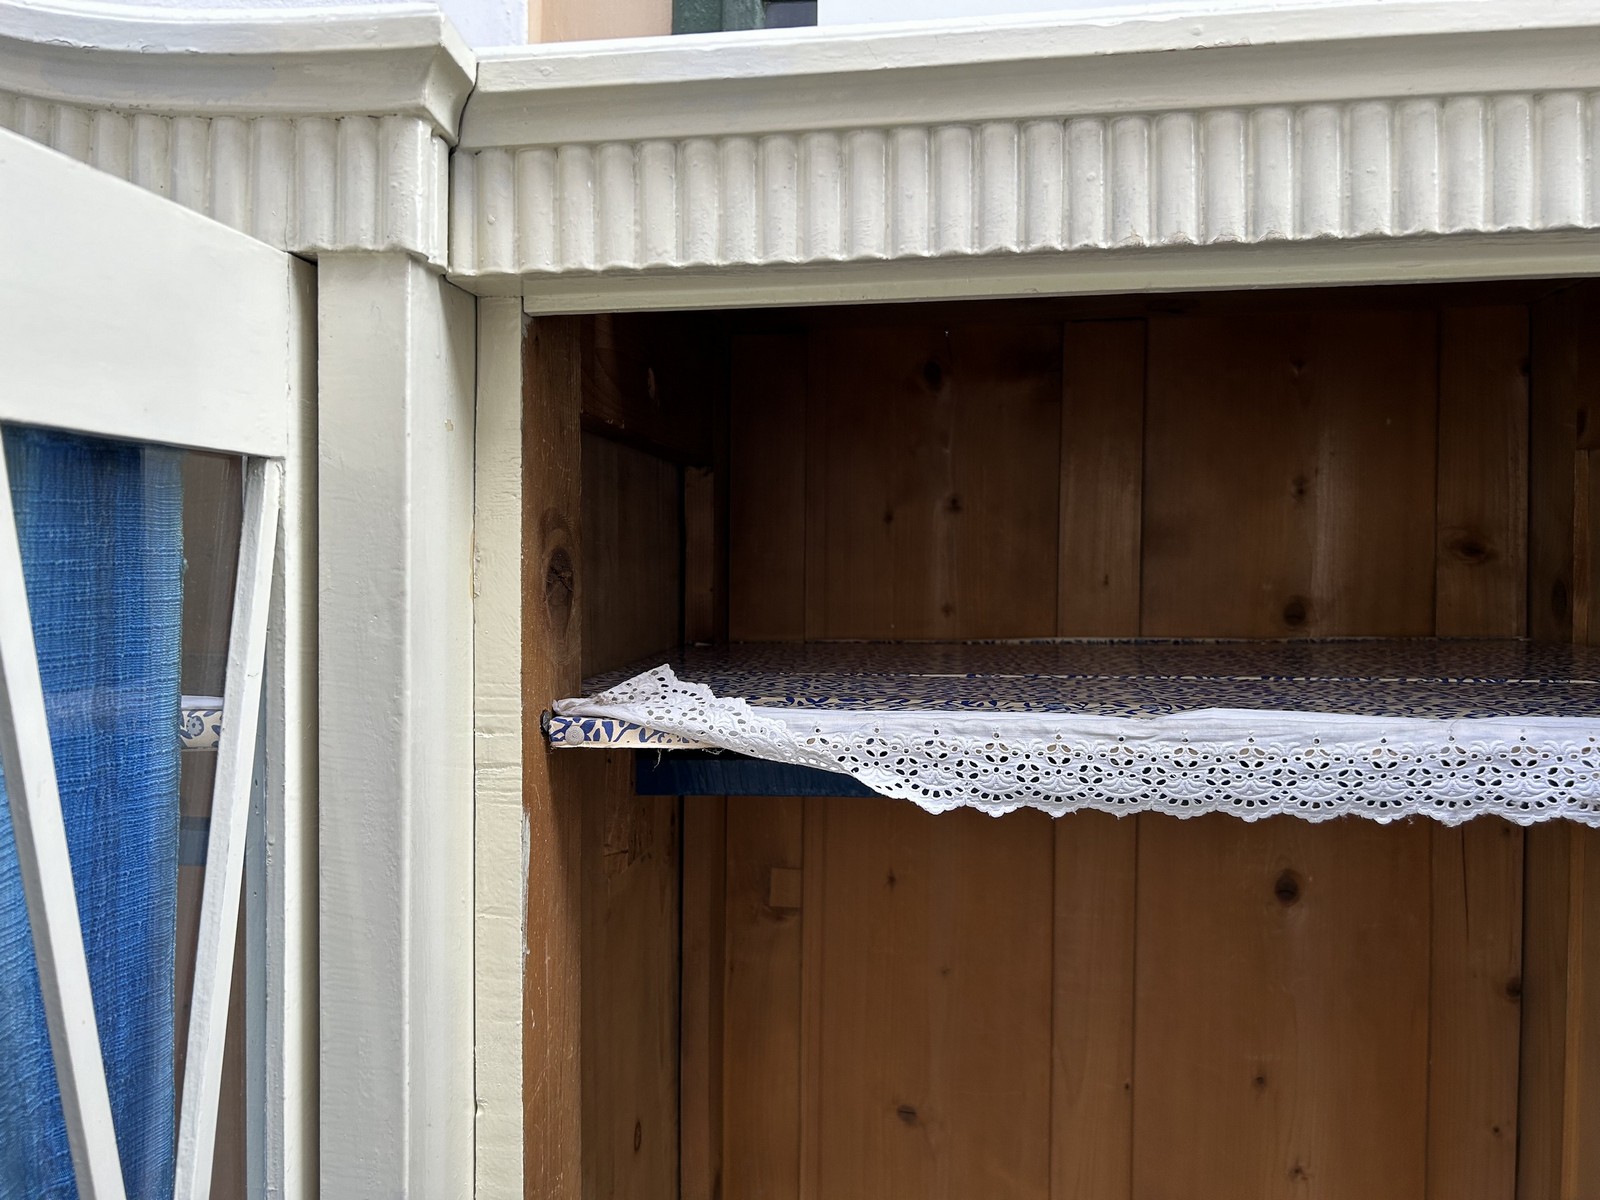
818, 997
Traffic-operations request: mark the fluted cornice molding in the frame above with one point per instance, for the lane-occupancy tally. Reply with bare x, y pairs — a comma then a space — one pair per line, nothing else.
1306, 126
315, 132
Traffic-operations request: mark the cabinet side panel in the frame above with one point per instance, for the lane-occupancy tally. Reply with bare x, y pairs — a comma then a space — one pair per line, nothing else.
552, 783
632, 554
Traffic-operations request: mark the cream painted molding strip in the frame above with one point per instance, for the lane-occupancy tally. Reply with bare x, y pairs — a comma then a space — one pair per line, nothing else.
1351, 170
313, 131
303, 184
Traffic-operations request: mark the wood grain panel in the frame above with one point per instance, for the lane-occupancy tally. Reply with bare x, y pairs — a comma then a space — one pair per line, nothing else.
761, 1057
767, 489
1482, 522
1289, 475
551, 620
1580, 1123
935, 1004
651, 381
631, 985
632, 554
1476, 1011
1091, 1151
1565, 378
934, 469
1281, 1016
700, 1040
1559, 1151
1102, 477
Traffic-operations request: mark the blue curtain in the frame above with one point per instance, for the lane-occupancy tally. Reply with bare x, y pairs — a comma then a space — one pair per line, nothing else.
101, 529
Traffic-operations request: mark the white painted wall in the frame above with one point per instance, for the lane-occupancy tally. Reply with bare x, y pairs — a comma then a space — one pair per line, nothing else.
481, 22
875, 12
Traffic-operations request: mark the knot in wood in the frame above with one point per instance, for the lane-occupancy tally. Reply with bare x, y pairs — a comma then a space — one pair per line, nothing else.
1287, 888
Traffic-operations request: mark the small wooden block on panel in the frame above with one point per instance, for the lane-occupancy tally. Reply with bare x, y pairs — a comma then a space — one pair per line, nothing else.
767, 489
933, 481
1281, 1021
1482, 549
1102, 478
1289, 475
935, 1005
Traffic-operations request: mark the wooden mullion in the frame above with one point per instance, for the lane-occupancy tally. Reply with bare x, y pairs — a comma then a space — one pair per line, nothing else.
225, 850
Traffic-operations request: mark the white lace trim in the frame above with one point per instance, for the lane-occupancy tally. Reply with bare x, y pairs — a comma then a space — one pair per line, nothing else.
1254, 764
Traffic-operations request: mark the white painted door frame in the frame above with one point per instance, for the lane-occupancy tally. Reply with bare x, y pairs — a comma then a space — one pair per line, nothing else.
194, 337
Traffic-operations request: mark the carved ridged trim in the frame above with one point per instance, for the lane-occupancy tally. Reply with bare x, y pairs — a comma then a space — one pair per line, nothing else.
308, 185
1354, 170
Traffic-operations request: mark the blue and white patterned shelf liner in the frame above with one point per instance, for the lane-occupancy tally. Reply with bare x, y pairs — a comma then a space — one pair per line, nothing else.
1448, 728
200, 722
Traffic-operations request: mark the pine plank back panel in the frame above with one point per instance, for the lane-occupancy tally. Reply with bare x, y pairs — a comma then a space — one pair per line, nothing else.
1069, 1010
1289, 475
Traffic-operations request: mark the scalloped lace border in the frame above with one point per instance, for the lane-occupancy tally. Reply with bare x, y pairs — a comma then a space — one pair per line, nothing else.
1252, 764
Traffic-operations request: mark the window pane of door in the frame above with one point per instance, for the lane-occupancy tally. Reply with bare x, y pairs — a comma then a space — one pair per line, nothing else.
129, 554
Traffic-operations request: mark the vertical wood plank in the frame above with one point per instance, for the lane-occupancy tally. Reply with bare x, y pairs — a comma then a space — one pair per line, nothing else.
1580, 1125
1560, 1102
651, 381
813, 933
631, 555
1481, 564
701, 1038
1091, 1151
1281, 1023
767, 488
936, 480
631, 985
1541, 1100
551, 621
1475, 1011
1289, 482
761, 1058
1565, 375
1102, 478
1477, 869
1095, 870
701, 560
935, 1007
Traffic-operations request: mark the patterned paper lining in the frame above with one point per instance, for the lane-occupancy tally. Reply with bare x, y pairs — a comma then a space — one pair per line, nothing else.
200, 722
1320, 729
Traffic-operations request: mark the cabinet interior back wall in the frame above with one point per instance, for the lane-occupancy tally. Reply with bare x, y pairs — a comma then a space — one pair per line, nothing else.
854, 998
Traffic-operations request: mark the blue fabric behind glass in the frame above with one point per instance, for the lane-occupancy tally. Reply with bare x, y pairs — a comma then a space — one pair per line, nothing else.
102, 549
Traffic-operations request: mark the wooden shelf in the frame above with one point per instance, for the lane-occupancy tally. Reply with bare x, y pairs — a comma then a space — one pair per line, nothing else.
1451, 727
